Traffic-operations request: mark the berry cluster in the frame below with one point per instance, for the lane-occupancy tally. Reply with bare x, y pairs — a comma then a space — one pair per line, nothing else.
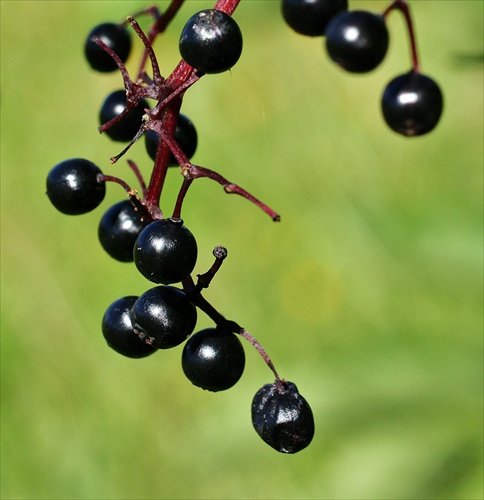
162, 248
358, 40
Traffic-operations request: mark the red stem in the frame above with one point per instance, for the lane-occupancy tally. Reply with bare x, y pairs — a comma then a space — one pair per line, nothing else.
163, 153
194, 172
227, 6
158, 27
403, 7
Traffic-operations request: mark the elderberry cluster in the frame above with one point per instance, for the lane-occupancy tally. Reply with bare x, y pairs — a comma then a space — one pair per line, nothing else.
161, 247
358, 40
137, 230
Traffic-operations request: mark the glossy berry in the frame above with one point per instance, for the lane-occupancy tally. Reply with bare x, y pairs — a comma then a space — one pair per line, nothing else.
74, 187
357, 40
211, 41
117, 329
114, 105
116, 37
412, 104
310, 17
185, 135
282, 417
164, 317
165, 251
118, 229
213, 359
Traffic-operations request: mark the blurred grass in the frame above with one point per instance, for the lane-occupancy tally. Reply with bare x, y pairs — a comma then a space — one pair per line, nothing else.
368, 294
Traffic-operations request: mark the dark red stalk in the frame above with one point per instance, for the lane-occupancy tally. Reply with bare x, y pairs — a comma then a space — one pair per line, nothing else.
196, 297
403, 7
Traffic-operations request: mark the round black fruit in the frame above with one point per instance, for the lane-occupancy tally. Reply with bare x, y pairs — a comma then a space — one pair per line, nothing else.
164, 317
74, 186
282, 417
116, 37
310, 17
118, 229
126, 128
412, 104
165, 251
213, 359
211, 41
357, 40
117, 329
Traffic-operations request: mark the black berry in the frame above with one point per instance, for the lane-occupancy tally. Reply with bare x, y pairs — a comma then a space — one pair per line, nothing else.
357, 40
282, 417
412, 104
211, 41
117, 329
74, 186
118, 229
116, 37
114, 105
213, 359
164, 317
165, 251
310, 17
185, 135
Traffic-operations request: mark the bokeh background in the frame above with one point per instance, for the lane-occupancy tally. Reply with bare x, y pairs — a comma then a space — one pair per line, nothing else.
367, 295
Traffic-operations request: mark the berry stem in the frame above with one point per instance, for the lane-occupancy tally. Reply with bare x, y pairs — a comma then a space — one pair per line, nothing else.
138, 175
157, 78
158, 27
181, 196
255, 343
403, 7
162, 157
193, 292
117, 180
204, 280
227, 6
192, 171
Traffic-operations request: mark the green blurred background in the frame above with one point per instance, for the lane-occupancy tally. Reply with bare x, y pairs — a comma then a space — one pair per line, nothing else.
368, 294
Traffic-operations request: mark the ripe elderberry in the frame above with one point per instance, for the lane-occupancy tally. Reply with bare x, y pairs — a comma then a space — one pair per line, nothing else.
116, 37
126, 128
211, 41
213, 359
185, 135
117, 329
412, 104
163, 317
310, 17
165, 251
118, 229
282, 417
74, 186
357, 40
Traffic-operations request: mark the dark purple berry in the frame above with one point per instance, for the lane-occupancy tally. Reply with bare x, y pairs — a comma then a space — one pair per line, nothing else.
117, 329
357, 40
165, 251
74, 186
185, 135
164, 317
310, 17
211, 41
118, 229
412, 104
126, 128
116, 37
213, 359
282, 417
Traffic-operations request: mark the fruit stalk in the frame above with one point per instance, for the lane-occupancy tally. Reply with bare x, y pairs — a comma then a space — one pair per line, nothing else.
403, 7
